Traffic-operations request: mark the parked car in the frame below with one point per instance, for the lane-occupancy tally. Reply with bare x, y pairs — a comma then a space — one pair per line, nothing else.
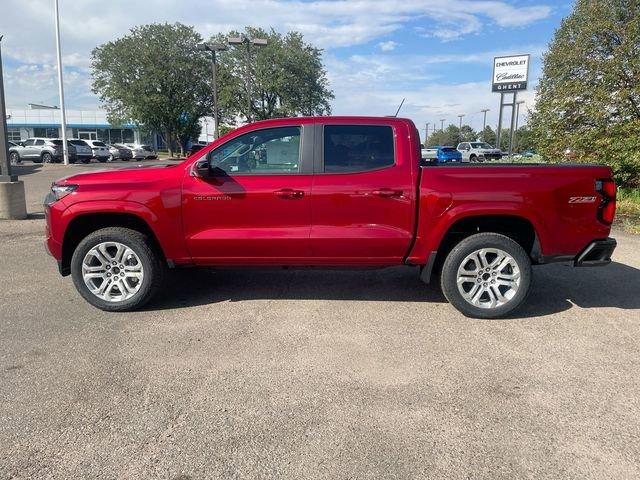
448, 154
120, 152
195, 148
478, 152
38, 150
429, 153
371, 205
528, 153
83, 150
99, 150
141, 151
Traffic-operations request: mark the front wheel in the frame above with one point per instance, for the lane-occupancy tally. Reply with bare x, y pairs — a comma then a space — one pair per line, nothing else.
117, 269
486, 275
14, 158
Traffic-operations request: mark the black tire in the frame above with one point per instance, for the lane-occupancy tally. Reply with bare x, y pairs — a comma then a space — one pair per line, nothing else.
466, 247
151, 259
14, 158
102, 159
47, 158
85, 160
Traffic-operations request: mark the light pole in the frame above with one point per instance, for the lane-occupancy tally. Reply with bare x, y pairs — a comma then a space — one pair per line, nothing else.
63, 118
214, 48
442, 124
248, 42
484, 121
461, 116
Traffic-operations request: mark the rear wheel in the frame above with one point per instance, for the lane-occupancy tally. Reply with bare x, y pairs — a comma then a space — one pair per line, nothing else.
85, 160
117, 269
486, 275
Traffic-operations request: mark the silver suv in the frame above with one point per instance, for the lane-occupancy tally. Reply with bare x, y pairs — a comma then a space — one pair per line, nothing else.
39, 150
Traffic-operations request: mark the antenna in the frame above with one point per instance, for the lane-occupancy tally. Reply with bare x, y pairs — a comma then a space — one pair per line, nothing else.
398, 111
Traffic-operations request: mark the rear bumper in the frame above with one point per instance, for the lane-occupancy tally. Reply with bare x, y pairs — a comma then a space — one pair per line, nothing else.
596, 254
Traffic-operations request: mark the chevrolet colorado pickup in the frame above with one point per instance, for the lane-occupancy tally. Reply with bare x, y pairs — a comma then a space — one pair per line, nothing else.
329, 191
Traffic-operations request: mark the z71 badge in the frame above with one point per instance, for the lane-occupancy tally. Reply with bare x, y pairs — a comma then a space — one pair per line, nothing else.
582, 199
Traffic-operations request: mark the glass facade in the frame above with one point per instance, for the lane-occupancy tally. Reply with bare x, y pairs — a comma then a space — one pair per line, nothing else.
106, 135
46, 132
13, 134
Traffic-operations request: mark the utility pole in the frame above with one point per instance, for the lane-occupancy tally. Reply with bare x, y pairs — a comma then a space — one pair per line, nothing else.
214, 48
248, 42
426, 134
63, 117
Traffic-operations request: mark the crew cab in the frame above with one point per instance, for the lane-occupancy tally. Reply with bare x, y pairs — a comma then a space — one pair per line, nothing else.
329, 192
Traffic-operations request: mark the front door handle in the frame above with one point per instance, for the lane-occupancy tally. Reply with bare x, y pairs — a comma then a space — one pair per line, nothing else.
289, 194
387, 193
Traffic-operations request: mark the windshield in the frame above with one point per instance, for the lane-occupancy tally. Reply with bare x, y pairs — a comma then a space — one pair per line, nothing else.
480, 145
99, 144
78, 142
448, 149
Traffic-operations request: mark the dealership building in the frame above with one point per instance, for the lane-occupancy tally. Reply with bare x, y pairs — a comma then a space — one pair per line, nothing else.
87, 125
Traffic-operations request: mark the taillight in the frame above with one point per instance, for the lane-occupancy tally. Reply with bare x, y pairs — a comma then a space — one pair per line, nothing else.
607, 209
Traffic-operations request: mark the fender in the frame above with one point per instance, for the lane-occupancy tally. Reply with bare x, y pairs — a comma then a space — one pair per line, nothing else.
164, 228
432, 229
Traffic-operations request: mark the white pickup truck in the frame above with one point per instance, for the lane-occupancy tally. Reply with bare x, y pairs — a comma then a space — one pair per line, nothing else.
478, 152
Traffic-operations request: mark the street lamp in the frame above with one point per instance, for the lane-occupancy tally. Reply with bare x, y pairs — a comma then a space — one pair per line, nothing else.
248, 42
63, 119
213, 48
442, 124
461, 116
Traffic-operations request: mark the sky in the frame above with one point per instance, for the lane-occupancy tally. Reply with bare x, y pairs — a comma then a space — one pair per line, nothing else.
438, 54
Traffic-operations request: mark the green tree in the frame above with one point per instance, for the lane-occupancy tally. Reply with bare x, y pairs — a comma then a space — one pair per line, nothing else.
155, 77
287, 77
452, 135
488, 135
588, 98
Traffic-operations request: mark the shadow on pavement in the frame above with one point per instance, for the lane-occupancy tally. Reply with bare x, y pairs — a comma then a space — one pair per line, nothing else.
556, 288
26, 168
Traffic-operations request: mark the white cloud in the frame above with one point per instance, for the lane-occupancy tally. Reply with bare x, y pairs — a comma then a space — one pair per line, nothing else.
388, 46
327, 23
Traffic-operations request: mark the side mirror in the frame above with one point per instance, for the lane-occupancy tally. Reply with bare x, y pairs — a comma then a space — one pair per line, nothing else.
201, 169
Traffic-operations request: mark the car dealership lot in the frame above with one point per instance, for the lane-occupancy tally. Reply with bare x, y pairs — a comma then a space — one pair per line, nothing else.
314, 373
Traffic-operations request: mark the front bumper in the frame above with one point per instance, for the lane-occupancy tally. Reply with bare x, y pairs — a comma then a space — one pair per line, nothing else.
596, 254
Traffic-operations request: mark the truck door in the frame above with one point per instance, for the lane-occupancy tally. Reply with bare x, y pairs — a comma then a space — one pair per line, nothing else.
255, 206
363, 194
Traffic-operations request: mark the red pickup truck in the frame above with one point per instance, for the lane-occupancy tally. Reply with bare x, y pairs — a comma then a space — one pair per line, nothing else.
329, 191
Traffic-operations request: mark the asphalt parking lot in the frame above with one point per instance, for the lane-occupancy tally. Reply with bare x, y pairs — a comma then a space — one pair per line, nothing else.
314, 374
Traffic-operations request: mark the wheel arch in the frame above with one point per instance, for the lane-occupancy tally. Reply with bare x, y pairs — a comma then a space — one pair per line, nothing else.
517, 227
84, 224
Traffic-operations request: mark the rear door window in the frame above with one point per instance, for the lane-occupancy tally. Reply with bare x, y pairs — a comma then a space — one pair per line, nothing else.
39, 142
357, 148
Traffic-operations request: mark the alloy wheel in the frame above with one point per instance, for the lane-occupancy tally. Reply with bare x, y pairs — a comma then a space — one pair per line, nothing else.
112, 271
488, 278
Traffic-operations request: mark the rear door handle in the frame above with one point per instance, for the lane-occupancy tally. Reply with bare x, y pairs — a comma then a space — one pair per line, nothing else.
289, 193
387, 193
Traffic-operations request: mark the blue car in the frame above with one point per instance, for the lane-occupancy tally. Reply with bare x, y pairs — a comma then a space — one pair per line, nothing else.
448, 154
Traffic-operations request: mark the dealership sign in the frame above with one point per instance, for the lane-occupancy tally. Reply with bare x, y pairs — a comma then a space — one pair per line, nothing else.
510, 73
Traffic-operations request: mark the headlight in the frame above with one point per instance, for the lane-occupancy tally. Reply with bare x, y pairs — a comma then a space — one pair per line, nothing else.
61, 191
